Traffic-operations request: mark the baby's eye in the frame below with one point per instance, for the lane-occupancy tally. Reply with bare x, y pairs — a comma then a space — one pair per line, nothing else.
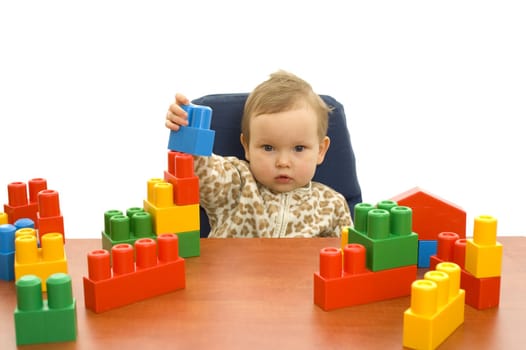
299, 148
268, 148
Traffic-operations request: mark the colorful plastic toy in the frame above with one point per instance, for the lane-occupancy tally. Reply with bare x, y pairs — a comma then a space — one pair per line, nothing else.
431, 214
437, 308
7, 252
42, 262
45, 321
19, 205
196, 138
483, 252
481, 293
50, 219
127, 228
353, 284
169, 217
386, 233
3, 218
158, 269
181, 175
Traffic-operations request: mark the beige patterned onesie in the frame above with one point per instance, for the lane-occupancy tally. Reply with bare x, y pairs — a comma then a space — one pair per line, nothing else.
238, 206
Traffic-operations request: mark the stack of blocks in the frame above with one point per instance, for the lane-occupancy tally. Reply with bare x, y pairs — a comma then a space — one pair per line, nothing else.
379, 249
42, 206
431, 215
437, 308
158, 269
480, 259
25, 247
45, 321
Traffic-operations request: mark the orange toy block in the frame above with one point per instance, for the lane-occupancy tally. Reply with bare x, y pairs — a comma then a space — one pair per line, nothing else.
49, 217
168, 217
431, 214
19, 206
181, 175
481, 293
437, 308
483, 252
158, 269
42, 262
337, 286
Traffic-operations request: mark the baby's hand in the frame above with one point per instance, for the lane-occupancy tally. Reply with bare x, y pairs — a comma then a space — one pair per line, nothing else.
176, 116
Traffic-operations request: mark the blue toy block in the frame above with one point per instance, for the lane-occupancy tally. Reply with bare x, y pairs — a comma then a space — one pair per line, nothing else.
24, 223
426, 249
196, 138
7, 252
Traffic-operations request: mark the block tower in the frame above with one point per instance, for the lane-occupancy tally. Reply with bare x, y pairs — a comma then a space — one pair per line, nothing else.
437, 308
431, 215
45, 321
148, 269
42, 206
379, 249
480, 260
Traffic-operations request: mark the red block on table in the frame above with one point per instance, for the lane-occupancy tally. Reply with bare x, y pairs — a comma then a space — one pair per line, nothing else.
353, 284
49, 217
158, 269
181, 175
481, 293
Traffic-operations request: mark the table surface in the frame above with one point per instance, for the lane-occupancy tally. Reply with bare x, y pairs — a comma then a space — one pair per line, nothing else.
258, 293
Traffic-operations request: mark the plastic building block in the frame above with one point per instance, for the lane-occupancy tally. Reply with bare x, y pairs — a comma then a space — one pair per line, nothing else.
19, 205
24, 223
481, 293
168, 217
158, 269
483, 252
181, 175
7, 252
196, 138
426, 249
337, 286
385, 232
42, 262
431, 214
189, 244
3, 218
437, 308
122, 228
50, 219
45, 321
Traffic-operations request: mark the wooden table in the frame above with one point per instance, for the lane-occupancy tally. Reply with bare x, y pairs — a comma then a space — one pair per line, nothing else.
258, 294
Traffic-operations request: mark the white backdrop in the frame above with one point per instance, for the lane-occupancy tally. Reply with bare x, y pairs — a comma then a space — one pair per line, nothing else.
434, 92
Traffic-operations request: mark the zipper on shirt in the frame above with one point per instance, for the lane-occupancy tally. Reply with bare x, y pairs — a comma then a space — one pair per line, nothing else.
283, 214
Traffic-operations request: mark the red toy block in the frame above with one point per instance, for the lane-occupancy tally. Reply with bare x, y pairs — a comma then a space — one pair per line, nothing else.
158, 270
481, 293
18, 206
35, 186
353, 284
181, 175
432, 215
50, 220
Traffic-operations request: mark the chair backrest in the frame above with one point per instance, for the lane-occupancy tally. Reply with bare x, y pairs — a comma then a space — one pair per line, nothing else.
337, 171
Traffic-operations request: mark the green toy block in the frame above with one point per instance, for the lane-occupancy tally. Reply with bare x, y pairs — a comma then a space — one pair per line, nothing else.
45, 321
120, 228
386, 234
189, 244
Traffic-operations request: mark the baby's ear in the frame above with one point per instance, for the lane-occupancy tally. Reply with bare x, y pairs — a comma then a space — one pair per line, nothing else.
323, 148
244, 143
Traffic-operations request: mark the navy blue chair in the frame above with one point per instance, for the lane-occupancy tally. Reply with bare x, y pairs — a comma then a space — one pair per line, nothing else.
337, 171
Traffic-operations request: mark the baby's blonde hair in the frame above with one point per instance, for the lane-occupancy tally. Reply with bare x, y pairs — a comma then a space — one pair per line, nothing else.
282, 92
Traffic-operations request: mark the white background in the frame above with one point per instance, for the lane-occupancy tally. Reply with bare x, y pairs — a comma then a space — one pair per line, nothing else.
434, 92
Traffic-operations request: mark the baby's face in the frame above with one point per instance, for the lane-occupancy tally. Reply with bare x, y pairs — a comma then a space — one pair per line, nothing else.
284, 148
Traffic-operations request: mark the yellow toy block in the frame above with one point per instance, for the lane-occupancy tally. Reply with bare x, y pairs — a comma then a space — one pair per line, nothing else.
168, 217
42, 262
483, 252
3, 218
437, 308
25, 231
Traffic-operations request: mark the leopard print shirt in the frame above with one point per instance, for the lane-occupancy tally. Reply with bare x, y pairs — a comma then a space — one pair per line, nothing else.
238, 206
